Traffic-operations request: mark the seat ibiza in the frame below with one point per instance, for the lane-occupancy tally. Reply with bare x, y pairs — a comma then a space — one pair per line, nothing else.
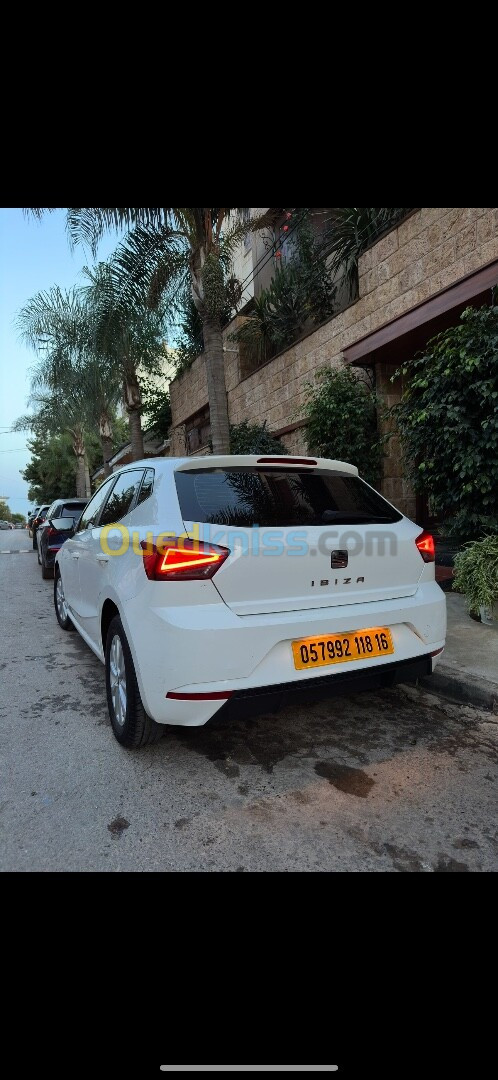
241, 582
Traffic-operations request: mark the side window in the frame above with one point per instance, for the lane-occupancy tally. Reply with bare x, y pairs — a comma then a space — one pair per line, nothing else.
147, 486
91, 512
122, 497
52, 510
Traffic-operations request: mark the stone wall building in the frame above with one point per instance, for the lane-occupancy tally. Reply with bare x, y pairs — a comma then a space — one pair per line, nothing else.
413, 282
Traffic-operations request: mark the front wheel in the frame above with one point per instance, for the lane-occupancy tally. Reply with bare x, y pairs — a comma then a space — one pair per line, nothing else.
130, 723
60, 604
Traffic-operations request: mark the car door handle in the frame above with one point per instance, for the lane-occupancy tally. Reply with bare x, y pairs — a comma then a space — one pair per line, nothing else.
102, 558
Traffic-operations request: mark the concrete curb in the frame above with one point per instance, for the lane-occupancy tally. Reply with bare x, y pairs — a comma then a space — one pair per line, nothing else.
463, 687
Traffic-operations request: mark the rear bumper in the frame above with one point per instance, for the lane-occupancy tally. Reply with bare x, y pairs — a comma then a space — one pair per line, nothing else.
197, 651
50, 553
270, 698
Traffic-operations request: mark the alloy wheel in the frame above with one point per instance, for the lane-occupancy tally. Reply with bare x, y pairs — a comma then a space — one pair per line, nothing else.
117, 674
60, 600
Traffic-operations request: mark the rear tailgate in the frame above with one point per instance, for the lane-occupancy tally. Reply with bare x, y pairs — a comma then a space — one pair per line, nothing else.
299, 537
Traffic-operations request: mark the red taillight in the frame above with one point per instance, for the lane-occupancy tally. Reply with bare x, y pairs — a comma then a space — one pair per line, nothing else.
426, 546
182, 560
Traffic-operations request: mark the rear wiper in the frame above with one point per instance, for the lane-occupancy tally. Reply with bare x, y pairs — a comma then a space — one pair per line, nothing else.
346, 516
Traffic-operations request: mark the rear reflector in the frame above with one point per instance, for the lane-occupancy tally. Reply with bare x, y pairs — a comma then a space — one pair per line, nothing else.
286, 461
437, 651
201, 697
426, 546
182, 560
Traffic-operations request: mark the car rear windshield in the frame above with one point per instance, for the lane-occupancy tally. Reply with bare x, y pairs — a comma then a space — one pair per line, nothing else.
279, 497
72, 508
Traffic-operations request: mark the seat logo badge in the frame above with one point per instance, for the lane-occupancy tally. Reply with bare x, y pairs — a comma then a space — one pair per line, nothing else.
339, 559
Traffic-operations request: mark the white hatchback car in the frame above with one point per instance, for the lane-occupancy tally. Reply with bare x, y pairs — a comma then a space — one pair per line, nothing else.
244, 581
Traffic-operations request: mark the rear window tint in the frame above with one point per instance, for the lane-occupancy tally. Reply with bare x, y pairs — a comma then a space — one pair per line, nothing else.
278, 497
71, 508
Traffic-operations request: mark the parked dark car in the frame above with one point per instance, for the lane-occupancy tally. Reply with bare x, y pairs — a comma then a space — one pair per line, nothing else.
59, 523
36, 522
31, 517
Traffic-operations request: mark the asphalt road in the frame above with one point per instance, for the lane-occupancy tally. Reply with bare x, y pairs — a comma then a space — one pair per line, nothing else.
382, 782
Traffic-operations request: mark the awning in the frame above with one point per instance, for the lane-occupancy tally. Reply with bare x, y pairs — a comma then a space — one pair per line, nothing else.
411, 331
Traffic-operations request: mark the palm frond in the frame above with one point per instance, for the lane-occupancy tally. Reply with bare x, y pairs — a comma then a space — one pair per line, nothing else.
39, 211
51, 315
149, 264
351, 230
87, 224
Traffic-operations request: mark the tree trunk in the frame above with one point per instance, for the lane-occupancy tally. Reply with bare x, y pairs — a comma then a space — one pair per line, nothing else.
105, 428
133, 403
106, 445
79, 451
80, 476
88, 486
217, 394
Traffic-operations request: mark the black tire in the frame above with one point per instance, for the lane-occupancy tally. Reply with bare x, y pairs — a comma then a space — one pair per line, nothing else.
130, 723
47, 571
60, 606
35, 545
38, 557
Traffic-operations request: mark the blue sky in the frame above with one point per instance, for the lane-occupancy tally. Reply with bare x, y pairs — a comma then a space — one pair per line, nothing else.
33, 256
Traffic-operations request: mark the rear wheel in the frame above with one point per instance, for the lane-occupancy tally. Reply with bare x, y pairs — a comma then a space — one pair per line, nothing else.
130, 723
60, 603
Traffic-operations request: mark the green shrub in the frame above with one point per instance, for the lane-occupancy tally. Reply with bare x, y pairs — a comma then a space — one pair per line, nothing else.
300, 296
248, 438
342, 422
351, 229
476, 573
448, 421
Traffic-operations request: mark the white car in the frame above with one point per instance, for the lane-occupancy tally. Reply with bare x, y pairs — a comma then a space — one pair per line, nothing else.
240, 582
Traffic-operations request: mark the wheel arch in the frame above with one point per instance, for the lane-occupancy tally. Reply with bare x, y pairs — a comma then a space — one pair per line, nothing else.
109, 610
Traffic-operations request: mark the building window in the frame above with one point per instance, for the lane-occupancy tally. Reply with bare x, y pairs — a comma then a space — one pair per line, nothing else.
198, 431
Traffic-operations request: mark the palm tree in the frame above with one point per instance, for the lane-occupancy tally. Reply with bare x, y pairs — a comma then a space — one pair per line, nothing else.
128, 335
56, 413
58, 325
167, 251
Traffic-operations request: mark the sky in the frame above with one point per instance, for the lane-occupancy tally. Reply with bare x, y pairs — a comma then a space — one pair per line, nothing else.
34, 255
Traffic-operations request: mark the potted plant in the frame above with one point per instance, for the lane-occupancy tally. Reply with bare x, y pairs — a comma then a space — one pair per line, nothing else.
476, 575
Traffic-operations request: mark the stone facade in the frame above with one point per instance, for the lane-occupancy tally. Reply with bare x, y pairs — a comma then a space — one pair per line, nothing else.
429, 251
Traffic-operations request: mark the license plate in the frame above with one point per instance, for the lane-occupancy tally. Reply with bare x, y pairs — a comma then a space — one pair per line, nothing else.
316, 652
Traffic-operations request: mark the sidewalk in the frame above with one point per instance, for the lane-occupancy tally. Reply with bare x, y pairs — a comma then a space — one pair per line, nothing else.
468, 669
